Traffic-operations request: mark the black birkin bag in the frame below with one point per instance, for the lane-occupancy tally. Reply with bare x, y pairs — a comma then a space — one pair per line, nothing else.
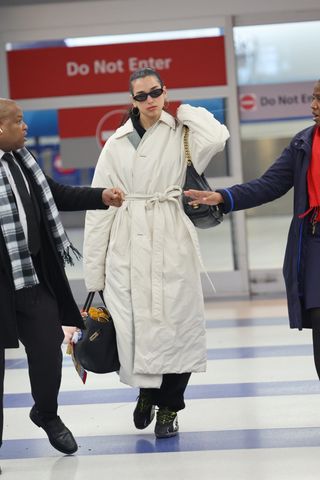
96, 350
202, 216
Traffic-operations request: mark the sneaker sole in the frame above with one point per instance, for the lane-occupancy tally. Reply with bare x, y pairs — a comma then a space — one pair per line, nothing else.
167, 435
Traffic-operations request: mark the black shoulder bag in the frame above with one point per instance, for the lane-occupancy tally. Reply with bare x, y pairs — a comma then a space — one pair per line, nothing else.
96, 351
202, 216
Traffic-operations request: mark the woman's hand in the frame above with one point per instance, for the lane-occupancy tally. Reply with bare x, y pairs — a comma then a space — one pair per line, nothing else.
113, 197
68, 333
204, 197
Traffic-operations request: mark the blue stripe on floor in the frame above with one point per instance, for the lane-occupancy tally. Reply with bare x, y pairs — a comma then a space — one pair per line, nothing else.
123, 395
212, 354
223, 323
184, 442
259, 352
247, 322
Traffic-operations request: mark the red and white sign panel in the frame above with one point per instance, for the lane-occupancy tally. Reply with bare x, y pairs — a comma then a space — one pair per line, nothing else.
275, 101
64, 71
99, 122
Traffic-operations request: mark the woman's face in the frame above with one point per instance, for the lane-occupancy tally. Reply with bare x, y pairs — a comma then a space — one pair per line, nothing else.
150, 108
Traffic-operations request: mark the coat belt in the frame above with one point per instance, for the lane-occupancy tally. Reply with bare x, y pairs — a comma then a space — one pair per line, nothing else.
146, 201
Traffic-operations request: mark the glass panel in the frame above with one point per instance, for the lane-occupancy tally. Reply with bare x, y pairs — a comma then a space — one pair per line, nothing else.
44, 143
269, 54
216, 247
276, 53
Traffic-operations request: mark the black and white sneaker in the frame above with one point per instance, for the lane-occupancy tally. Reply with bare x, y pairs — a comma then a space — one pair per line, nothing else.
144, 412
167, 423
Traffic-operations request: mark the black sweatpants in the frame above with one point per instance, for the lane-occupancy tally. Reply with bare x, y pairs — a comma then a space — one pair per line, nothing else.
314, 316
171, 392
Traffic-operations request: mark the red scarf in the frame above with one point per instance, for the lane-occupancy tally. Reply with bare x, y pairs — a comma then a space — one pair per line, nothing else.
313, 179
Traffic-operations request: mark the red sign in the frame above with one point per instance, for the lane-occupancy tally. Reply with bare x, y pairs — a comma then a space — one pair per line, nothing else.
83, 122
105, 127
61, 71
99, 122
248, 102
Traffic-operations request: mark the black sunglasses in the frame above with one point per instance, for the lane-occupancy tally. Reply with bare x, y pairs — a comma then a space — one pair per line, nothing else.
142, 97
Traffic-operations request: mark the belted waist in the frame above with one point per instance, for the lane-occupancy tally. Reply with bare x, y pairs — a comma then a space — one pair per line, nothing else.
170, 193
139, 203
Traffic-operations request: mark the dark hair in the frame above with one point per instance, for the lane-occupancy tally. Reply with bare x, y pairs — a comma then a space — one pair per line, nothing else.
144, 72
141, 73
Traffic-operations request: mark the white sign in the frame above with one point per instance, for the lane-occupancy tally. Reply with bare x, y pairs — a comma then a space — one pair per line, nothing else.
275, 102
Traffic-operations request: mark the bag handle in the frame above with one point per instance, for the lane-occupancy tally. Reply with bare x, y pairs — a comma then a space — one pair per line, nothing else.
186, 145
89, 299
187, 153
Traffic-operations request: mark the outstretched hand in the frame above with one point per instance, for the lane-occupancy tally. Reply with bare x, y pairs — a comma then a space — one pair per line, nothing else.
113, 197
204, 197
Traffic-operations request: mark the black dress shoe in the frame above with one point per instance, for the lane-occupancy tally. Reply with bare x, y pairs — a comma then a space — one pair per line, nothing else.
59, 435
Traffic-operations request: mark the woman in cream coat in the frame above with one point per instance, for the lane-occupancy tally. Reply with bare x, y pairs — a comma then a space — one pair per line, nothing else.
145, 255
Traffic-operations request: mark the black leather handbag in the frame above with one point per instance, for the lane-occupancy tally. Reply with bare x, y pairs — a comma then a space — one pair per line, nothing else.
202, 216
96, 350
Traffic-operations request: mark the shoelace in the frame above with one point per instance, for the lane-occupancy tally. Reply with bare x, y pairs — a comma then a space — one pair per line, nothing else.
166, 416
144, 403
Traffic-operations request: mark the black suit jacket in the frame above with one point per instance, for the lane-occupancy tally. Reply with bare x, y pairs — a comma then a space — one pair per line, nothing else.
67, 198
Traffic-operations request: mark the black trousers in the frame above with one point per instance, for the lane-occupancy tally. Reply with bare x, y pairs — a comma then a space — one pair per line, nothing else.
40, 332
171, 392
1, 391
314, 317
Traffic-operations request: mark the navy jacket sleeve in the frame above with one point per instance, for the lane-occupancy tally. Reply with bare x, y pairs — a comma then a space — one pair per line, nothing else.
69, 198
274, 183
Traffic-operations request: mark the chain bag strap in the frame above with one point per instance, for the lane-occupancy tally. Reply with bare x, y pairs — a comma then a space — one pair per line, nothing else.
202, 216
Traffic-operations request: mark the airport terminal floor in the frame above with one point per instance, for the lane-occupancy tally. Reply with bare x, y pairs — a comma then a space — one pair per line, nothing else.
254, 413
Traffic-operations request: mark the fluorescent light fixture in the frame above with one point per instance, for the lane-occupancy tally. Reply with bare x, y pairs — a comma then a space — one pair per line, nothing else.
143, 37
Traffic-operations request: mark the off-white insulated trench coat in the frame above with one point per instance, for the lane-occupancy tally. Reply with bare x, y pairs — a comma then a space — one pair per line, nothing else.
145, 255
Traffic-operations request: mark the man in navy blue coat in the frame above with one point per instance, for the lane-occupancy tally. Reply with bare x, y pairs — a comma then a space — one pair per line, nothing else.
298, 166
36, 298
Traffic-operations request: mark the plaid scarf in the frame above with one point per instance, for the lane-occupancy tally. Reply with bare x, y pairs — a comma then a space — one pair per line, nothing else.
23, 271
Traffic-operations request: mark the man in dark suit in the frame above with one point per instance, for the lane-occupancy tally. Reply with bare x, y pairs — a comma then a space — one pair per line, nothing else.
36, 298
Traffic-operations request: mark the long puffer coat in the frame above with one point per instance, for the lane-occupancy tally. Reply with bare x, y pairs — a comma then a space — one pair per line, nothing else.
145, 255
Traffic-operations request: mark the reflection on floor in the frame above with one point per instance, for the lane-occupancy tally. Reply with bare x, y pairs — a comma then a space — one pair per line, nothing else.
254, 413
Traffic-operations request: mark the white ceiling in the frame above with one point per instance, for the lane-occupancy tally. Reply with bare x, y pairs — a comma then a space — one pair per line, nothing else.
15, 3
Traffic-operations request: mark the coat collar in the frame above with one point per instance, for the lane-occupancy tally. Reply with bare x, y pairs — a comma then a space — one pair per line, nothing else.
303, 139
128, 127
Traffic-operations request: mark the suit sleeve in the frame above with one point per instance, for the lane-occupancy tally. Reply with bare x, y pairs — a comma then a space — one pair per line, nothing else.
69, 198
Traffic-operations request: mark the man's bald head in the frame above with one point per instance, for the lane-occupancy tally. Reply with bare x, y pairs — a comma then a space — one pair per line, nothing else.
12, 127
6, 106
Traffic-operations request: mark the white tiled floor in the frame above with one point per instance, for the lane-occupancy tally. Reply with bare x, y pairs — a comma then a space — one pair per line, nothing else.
250, 416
